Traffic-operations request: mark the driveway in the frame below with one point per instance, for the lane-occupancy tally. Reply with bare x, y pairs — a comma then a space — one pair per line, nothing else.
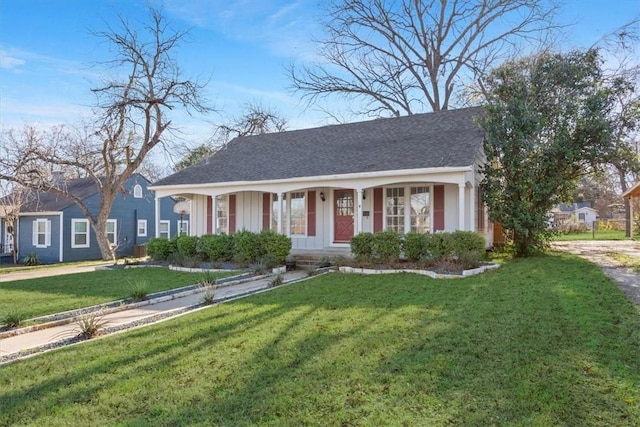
596, 251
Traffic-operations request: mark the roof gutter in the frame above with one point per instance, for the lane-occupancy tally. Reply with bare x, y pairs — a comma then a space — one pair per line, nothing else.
321, 178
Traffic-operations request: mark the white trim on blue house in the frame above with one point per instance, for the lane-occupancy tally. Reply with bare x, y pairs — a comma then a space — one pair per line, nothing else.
61, 238
74, 245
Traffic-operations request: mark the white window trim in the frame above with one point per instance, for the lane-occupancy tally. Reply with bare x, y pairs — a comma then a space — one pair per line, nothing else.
137, 191
74, 221
216, 227
306, 213
168, 228
407, 204
47, 232
180, 222
115, 231
142, 222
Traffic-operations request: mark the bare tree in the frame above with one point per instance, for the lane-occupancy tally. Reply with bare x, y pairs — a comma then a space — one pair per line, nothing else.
255, 120
14, 198
133, 107
408, 56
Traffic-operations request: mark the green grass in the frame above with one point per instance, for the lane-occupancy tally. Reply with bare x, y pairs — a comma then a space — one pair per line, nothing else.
626, 260
538, 342
48, 295
589, 235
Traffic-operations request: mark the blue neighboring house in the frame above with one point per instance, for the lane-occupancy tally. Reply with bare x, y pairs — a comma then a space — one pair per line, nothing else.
55, 229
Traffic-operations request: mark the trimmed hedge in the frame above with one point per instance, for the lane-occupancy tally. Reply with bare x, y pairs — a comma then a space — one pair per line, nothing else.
216, 247
458, 246
243, 247
159, 248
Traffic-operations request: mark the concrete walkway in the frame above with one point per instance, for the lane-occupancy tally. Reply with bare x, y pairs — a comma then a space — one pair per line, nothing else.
597, 252
46, 272
26, 344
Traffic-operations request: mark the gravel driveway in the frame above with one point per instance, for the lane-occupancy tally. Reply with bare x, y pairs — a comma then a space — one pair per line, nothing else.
596, 251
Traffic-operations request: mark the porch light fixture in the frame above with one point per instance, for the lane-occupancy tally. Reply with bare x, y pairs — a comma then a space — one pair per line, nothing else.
322, 196
364, 194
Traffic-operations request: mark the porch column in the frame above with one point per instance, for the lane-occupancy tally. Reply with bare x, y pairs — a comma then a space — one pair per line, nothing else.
214, 214
358, 222
473, 210
279, 226
157, 214
631, 217
288, 230
461, 188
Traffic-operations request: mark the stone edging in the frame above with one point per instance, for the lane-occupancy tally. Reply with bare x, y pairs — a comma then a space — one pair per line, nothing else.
66, 317
432, 274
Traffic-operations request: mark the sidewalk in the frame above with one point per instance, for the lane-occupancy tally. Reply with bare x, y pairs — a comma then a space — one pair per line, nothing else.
29, 343
46, 272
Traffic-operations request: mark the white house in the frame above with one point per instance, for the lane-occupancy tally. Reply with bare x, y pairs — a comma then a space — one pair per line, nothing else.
575, 213
322, 186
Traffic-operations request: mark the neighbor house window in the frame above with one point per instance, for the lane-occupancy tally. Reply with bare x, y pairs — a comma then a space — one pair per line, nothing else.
420, 210
581, 217
164, 229
41, 233
394, 209
142, 228
222, 215
183, 227
80, 233
112, 226
137, 191
298, 209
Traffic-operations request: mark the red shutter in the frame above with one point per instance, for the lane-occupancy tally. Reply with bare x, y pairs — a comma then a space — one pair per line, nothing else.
377, 209
311, 213
232, 213
438, 207
209, 215
266, 211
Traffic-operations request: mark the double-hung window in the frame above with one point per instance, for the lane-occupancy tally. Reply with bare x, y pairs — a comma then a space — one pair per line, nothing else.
420, 210
41, 233
394, 209
142, 228
80, 233
298, 216
112, 231
222, 214
183, 227
165, 229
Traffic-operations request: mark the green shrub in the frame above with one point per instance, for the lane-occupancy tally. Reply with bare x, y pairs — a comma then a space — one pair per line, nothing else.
159, 248
415, 246
247, 247
12, 319
386, 246
187, 245
468, 241
362, 246
275, 245
439, 246
216, 247
31, 259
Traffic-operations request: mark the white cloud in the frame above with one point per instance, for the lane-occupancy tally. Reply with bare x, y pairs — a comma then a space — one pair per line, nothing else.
9, 62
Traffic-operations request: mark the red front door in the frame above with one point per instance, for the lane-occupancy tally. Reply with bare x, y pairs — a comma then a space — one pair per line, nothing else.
343, 203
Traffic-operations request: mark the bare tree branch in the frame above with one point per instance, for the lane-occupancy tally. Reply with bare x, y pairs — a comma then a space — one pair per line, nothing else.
407, 56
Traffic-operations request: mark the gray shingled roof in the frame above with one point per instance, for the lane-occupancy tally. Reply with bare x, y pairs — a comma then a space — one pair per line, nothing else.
446, 138
42, 201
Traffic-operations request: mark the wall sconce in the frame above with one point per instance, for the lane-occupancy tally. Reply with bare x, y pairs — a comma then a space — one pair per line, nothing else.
322, 196
364, 194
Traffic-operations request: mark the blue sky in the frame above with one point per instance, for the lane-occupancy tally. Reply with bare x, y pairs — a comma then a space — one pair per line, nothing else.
46, 52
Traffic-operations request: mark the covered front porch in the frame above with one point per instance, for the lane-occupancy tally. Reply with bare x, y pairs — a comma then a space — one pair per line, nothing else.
323, 213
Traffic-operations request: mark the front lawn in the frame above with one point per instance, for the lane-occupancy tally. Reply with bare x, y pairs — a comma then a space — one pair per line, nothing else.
590, 235
49, 295
543, 341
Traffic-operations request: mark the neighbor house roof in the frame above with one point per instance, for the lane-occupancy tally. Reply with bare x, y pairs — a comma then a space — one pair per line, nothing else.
43, 201
441, 139
574, 206
632, 192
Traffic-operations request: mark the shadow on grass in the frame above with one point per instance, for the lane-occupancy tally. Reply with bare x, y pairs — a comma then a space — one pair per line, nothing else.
545, 341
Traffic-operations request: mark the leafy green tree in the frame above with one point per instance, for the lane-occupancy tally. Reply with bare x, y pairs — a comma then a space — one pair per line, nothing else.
547, 123
195, 155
